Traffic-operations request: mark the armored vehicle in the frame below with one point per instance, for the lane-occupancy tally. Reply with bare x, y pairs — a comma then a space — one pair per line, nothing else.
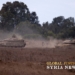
13, 42
69, 41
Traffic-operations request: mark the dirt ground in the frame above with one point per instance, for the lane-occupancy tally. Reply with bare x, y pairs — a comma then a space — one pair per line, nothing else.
31, 61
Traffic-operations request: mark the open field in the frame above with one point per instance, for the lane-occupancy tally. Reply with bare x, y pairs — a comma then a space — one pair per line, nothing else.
31, 61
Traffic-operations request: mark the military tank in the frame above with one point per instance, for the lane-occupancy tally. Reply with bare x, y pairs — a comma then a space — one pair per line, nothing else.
13, 42
69, 41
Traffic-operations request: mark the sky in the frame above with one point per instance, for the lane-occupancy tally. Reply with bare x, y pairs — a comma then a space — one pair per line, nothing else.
48, 9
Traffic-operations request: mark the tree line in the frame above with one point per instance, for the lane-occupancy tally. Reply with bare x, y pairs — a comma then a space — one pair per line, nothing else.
60, 27
11, 14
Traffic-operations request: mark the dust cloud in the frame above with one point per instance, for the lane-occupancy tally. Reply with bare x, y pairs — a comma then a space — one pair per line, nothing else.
32, 43
52, 43
23, 32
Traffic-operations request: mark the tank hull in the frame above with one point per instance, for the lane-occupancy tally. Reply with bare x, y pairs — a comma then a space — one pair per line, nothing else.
12, 43
69, 42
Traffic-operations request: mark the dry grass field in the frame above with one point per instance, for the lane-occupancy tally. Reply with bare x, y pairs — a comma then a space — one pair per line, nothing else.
31, 61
